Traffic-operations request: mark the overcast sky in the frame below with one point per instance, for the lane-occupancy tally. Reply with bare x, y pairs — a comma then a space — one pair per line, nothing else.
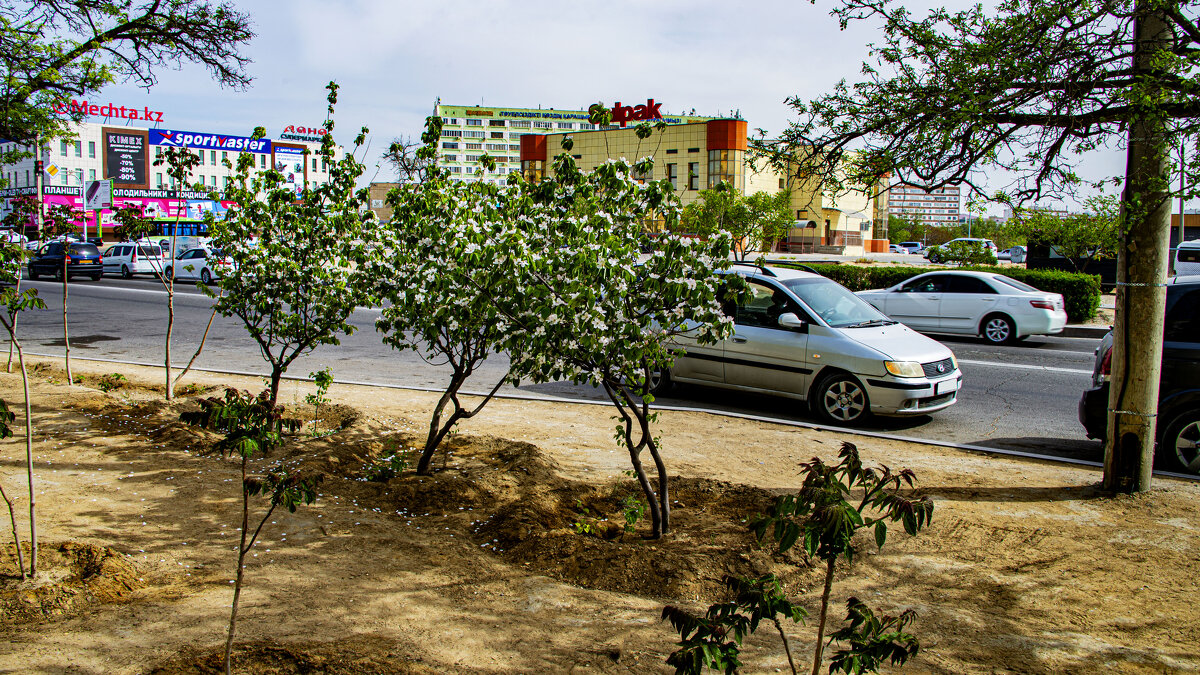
394, 59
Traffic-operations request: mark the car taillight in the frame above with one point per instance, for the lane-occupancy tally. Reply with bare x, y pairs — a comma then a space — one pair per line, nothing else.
1105, 369
68, 260
1042, 304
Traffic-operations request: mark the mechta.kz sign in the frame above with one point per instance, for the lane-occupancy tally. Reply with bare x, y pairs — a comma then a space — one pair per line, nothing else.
107, 110
199, 141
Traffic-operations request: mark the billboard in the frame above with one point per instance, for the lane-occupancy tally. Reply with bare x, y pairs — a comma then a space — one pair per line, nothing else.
125, 156
290, 161
197, 140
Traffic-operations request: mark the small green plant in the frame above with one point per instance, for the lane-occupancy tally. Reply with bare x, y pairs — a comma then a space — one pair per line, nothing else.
322, 378
632, 508
714, 640
820, 518
111, 381
586, 524
252, 426
387, 467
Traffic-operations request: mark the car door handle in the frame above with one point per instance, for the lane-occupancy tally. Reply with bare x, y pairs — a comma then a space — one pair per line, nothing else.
739, 340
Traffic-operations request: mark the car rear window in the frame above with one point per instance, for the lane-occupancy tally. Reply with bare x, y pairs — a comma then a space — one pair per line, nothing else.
149, 251
1015, 284
84, 249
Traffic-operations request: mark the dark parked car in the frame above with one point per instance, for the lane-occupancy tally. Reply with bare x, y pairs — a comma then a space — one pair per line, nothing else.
1179, 386
82, 260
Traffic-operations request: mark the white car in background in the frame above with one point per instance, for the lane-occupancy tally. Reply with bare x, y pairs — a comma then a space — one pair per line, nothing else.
202, 263
128, 259
998, 308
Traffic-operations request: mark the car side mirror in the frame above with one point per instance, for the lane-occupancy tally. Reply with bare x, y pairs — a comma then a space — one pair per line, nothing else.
792, 322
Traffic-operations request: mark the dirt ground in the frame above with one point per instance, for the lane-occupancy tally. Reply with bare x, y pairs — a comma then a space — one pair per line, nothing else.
1026, 568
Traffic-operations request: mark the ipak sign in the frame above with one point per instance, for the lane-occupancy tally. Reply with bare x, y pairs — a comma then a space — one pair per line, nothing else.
623, 114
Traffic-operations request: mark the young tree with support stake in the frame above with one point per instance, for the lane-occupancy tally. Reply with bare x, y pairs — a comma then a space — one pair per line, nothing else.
294, 281
1026, 88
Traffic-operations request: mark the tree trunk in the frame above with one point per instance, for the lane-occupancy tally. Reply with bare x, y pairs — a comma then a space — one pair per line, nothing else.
820, 649
787, 645
436, 432
276, 375
66, 338
1141, 277
237, 584
15, 318
167, 346
33, 542
12, 516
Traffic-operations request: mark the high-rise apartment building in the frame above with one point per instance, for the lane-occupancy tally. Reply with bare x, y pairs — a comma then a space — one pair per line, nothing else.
930, 207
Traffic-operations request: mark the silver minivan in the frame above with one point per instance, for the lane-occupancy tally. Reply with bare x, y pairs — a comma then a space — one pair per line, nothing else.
806, 337
129, 259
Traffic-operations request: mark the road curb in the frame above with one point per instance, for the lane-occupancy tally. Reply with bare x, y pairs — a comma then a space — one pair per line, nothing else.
1079, 331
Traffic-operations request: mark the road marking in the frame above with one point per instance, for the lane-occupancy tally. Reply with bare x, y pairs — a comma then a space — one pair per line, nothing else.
1025, 366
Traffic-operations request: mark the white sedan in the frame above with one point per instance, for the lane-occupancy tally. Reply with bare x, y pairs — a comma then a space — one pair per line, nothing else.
201, 263
999, 308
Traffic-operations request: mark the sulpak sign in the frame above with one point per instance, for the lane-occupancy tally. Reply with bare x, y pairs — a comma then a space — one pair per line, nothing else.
623, 114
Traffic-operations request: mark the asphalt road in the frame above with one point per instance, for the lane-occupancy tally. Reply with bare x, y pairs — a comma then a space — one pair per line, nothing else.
1018, 397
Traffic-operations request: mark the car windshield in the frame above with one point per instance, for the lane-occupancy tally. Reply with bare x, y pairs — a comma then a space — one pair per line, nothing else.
835, 304
1015, 284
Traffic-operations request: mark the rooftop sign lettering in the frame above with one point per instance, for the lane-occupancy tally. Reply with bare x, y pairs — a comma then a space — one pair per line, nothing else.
145, 114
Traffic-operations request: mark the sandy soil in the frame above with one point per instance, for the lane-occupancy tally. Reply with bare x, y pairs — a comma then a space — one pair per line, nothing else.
1027, 567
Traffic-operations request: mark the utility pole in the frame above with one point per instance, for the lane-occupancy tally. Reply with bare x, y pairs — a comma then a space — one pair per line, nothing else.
1141, 270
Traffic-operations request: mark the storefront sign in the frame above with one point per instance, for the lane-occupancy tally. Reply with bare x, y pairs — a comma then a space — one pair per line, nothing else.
191, 139
107, 110
293, 132
290, 162
623, 114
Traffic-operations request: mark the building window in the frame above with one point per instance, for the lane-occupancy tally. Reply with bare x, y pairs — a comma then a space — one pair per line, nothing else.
92, 149
64, 148
693, 175
201, 153
79, 176
673, 175
91, 174
673, 151
497, 146
497, 134
225, 182
472, 146
262, 161
781, 183
723, 165
521, 124
314, 161
452, 120
452, 134
449, 146
474, 122
514, 148
212, 180
212, 158
543, 125
474, 134
79, 148
565, 125
495, 123
159, 176
224, 156
450, 158
585, 126
693, 149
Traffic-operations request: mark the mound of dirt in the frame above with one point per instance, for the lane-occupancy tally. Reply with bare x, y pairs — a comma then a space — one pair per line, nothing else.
344, 657
71, 576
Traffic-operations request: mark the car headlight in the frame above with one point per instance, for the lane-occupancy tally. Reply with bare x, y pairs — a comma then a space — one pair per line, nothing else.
953, 363
904, 368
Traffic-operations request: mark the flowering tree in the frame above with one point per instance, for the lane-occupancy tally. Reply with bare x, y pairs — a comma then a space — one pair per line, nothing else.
441, 301
590, 309
293, 280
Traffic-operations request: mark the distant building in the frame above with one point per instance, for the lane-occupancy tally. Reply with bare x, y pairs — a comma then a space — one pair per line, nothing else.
930, 207
468, 132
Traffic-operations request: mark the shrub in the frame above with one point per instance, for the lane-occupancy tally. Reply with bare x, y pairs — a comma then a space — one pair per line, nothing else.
963, 253
1081, 292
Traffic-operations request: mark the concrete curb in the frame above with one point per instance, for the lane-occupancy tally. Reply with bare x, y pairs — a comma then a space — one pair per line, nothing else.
1080, 331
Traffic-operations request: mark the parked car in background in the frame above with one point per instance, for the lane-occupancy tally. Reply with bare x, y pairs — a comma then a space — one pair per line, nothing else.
202, 263
82, 259
1178, 426
999, 308
1014, 254
806, 337
896, 248
938, 253
1187, 258
912, 246
129, 259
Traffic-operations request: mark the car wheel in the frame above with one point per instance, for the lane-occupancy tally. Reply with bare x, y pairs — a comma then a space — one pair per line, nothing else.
840, 399
998, 329
33, 276
660, 382
58, 273
1179, 449
206, 277
169, 273
125, 273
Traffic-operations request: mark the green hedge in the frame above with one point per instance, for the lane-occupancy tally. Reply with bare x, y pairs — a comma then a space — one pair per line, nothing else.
1081, 292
